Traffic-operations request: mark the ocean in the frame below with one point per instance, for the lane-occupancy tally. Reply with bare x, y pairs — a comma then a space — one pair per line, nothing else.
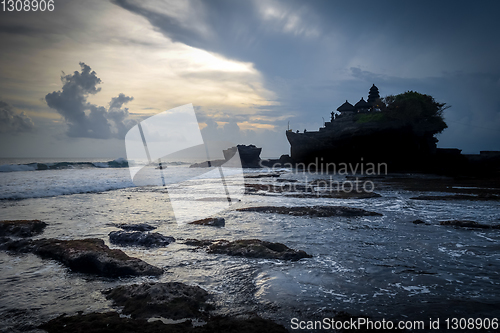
385, 267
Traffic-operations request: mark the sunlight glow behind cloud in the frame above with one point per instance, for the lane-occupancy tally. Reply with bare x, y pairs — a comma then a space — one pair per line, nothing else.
286, 20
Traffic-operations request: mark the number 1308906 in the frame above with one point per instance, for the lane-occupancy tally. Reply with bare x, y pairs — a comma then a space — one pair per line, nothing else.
27, 5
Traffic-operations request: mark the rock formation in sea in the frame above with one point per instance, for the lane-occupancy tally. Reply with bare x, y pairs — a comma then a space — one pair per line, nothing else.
135, 227
211, 221
88, 255
138, 238
21, 228
250, 248
399, 131
316, 211
174, 300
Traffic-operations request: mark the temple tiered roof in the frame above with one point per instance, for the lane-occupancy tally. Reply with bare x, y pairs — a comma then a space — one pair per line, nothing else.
346, 107
373, 95
362, 105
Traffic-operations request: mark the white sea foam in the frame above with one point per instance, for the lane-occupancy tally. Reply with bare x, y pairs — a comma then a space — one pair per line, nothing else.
22, 185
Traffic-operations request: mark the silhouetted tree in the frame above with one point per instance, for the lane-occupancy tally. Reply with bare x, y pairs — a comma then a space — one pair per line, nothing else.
417, 109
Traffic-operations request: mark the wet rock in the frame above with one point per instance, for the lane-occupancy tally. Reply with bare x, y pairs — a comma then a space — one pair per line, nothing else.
235, 325
255, 248
107, 323
173, 300
217, 199
198, 243
314, 211
263, 175
16, 245
480, 197
112, 322
138, 238
336, 195
469, 224
21, 228
314, 189
212, 221
286, 180
136, 227
89, 255
418, 221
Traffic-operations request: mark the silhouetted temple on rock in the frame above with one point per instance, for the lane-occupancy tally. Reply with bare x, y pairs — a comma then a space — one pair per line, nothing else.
371, 131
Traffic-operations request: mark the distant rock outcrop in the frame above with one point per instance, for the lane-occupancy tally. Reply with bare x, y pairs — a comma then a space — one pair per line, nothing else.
249, 157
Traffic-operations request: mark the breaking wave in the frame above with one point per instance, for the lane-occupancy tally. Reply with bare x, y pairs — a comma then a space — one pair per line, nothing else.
117, 163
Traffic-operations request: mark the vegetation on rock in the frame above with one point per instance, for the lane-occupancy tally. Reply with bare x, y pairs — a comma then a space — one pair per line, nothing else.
411, 108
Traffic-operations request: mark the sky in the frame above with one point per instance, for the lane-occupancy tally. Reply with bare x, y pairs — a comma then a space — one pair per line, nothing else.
73, 81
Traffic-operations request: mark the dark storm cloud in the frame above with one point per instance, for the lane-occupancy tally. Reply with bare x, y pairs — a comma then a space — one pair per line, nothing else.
273, 34
13, 122
83, 118
18, 30
314, 55
232, 28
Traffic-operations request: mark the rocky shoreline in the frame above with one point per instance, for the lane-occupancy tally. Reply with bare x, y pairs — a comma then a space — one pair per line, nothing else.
146, 307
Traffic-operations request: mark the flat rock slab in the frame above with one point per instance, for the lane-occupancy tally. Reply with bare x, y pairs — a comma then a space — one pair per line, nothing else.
173, 300
289, 189
335, 195
21, 228
250, 248
263, 175
469, 224
112, 322
211, 221
314, 211
138, 238
135, 227
89, 255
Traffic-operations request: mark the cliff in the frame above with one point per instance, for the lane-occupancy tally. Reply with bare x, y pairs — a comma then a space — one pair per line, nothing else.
395, 142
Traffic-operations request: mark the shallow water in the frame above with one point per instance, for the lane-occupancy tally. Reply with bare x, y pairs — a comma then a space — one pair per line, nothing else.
380, 266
